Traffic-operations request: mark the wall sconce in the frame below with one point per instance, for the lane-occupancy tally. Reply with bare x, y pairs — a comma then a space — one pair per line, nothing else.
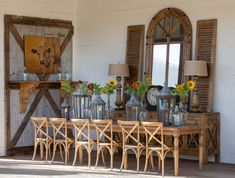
195, 69
118, 70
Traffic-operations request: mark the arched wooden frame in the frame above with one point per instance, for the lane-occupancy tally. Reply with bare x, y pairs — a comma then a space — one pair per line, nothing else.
186, 42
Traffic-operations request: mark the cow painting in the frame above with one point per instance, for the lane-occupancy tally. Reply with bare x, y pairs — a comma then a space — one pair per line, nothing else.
42, 54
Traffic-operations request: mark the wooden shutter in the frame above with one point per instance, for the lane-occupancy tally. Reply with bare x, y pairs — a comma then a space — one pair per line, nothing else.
134, 54
206, 50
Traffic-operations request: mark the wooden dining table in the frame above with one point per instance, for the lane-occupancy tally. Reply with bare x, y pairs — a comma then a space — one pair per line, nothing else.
176, 132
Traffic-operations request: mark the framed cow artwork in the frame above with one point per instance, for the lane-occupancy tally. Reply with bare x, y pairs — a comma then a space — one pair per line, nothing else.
41, 54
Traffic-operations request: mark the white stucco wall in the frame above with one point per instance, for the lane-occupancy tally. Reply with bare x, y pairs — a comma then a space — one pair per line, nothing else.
102, 28
55, 9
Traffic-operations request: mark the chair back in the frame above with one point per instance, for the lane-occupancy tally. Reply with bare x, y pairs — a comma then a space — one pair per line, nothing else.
129, 130
40, 127
59, 127
81, 126
154, 133
102, 127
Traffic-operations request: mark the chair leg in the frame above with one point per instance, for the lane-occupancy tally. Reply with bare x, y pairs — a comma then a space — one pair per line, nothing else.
126, 160
146, 161
89, 158
138, 162
35, 150
151, 159
102, 155
111, 161
47, 147
41, 150
97, 157
66, 154
75, 155
61, 154
54, 150
159, 162
49, 150
123, 159
163, 167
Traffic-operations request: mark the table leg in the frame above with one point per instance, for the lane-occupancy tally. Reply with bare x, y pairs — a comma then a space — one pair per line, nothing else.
202, 148
80, 151
176, 154
41, 148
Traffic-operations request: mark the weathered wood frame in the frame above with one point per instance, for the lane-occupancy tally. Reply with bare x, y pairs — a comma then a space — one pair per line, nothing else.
44, 84
186, 43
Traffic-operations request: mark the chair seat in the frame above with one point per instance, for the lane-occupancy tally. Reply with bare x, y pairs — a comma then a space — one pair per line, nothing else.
84, 142
43, 139
154, 148
133, 146
109, 144
63, 141
104, 144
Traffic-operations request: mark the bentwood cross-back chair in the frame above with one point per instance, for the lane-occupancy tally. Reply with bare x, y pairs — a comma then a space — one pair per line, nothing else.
155, 143
130, 132
41, 136
60, 137
104, 140
82, 138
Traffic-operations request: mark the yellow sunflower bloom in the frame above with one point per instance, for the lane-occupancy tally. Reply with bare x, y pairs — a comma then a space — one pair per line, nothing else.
178, 88
62, 82
104, 90
149, 80
191, 84
112, 83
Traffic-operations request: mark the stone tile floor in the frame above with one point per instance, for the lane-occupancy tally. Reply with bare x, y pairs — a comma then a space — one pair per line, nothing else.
23, 166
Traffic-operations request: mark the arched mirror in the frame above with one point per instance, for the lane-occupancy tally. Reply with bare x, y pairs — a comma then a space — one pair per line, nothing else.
169, 39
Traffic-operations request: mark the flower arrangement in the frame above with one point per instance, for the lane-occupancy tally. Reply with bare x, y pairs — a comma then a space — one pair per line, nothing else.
109, 87
138, 88
97, 88
183, 89
89, 88
67, 87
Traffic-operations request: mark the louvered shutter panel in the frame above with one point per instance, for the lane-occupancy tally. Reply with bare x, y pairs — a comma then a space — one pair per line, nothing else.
134, 54
206, 50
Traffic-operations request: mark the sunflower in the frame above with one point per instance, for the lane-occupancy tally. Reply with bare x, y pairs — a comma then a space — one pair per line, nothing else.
178, 88
62, 82
90, 86
191, 84
136, 85
112, 83
105, 90
149, 80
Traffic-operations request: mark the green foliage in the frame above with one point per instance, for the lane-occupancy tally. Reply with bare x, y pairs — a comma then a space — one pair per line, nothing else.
109, 87
137, 88
66, 86
183, 89
89, 88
